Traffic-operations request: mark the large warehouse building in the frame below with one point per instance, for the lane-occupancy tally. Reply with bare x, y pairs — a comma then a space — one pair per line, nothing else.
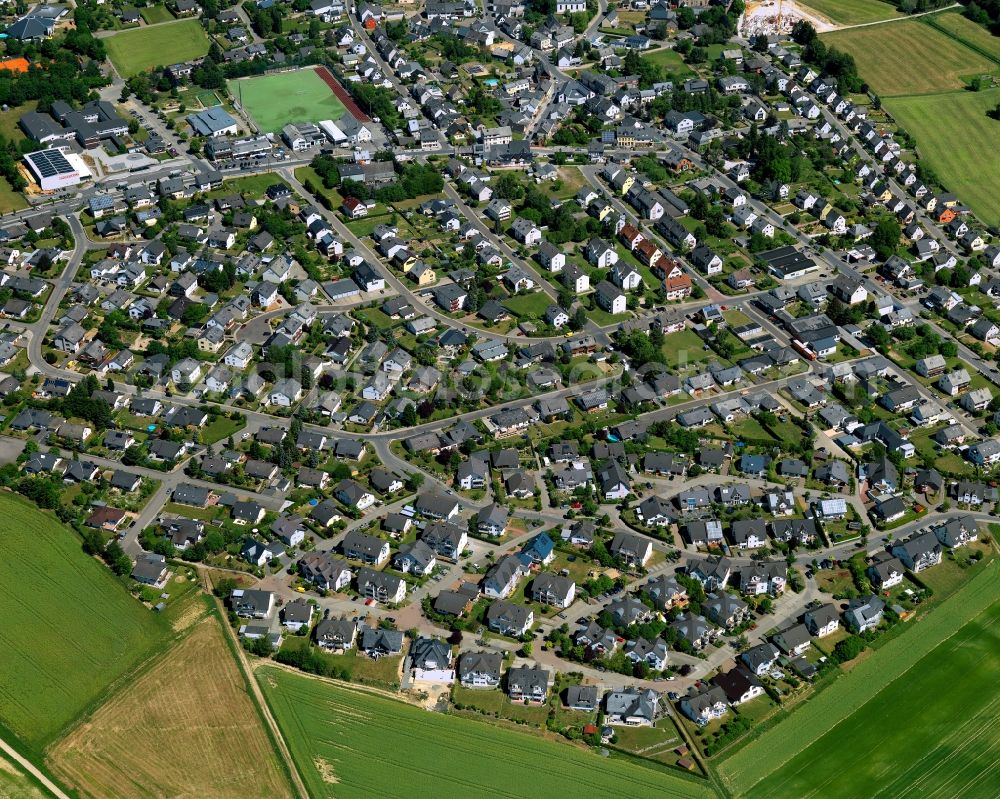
56, 168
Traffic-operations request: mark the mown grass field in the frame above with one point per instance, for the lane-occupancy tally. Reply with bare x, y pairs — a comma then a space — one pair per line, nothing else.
186, 727
853, 12
69, 630
918, 716
134, 51
909, 57
956, 138
973, 35
295, 96
352, 744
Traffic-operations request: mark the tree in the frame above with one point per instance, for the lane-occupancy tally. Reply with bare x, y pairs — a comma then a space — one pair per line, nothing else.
848, 649
885, 237
879, 337
409, 415
116, 558
508, 187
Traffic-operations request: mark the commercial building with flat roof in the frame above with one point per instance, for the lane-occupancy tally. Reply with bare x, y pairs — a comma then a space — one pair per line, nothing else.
56, 168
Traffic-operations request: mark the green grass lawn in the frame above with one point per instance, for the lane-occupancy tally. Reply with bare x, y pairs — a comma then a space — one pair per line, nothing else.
307, 173
296, 96
156, 14
603, 318
374, 316
953, 133
860, 732
949, 575
533, 304
751, 428
853, 12
683, 348
9, 128
497, 703
70, 630
10, 200
669, 61
347, 744
220, 428
137, 50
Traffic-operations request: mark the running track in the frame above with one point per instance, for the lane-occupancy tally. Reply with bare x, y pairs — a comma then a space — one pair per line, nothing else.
342, 94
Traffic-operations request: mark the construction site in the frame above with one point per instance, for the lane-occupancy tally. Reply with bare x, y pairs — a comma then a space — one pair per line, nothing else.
778, 17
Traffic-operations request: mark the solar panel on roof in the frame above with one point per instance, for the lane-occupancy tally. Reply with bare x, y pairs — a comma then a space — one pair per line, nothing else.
49, 163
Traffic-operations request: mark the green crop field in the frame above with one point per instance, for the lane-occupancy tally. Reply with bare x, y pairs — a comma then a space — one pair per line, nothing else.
15, 784
917, 717
296, 96
134, 51
352, 744
909, 57
956, 138
69, 628
967, 31
853, 12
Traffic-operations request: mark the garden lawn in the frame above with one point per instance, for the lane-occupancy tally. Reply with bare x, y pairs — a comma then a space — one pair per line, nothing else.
898, 719
533, 304
956, 138
70, 630
135, 51
156, 14
352, 744
852, 12
684, 348
295, 96
219, 428
909, 57
670, 61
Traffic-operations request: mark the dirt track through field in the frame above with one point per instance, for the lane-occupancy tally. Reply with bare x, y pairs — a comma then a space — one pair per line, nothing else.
186, 728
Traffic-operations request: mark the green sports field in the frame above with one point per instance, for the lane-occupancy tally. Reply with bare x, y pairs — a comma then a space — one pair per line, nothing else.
957, 139
919, 717
853, 12
134, 51
69, 629
296, 96
352, 744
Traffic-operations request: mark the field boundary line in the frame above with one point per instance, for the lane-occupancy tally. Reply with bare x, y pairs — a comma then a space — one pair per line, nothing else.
894, 19
171, 639
962, 41
989, 587
257, 696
